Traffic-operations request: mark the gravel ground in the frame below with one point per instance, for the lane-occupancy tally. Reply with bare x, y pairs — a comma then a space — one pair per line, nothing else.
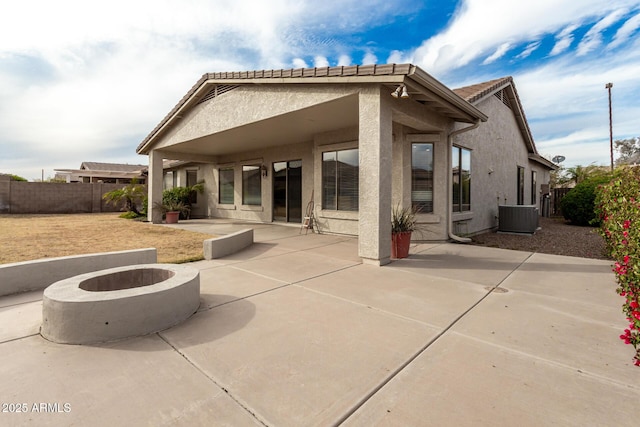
556, 236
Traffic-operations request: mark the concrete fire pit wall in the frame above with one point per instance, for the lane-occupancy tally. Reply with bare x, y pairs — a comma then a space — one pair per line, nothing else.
119, 303
38, 274
219, 247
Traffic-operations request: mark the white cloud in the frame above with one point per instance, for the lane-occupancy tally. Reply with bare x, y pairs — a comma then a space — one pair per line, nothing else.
478, 27
625, 31
531, 47
344, 60
499, 53
320, 61
369, 58
299, 63
593, 38
563, 40
566, 105
396, 57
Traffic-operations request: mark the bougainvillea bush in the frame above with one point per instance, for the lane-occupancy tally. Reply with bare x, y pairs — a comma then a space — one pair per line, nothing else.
618, 207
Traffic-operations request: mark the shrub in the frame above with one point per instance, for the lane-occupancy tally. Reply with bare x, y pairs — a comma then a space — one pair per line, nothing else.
618, 208
18, 178
578, 204
181, 196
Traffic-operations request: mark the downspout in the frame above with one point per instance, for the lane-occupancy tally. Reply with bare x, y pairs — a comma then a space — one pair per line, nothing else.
450, 192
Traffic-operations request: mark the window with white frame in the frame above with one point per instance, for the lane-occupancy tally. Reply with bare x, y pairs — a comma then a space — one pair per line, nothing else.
520, 199
461, 171
340, 175
251, 185
225, 186
422, 177
534, 187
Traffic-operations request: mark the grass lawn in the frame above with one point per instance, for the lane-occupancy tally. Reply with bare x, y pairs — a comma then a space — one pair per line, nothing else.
29, 237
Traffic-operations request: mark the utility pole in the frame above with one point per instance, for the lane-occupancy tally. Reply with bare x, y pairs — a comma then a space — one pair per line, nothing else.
608, 86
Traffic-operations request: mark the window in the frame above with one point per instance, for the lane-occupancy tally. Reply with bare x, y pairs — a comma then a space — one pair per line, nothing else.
340, 174
192, 179
461, 169
422, 177
225, 187
251, 185
534, 187
170, 179
520, 185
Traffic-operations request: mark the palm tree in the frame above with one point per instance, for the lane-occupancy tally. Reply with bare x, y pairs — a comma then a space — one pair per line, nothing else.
130, 195
577, 174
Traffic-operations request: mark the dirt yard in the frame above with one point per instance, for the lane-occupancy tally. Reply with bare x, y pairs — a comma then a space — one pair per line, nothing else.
28, 237
555, 237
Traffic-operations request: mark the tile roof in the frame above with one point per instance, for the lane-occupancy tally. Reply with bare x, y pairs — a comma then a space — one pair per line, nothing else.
112, 167
476, 91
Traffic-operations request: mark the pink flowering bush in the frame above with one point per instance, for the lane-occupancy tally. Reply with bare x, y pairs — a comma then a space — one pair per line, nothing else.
618, 208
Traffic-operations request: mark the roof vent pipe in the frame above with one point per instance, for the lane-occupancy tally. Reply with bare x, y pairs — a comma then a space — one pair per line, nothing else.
452, 236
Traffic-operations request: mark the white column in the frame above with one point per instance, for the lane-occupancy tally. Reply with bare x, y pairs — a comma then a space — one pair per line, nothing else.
154, 214
375, 152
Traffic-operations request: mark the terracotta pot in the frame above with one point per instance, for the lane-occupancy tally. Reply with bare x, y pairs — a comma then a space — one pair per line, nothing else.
172, 217
400, 243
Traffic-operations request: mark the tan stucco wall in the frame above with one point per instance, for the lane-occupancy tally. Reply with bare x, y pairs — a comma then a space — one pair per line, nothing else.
249, 104
301, 151
497, 149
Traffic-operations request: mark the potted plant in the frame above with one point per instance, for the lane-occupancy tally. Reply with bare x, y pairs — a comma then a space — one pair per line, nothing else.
172, 210
403, 223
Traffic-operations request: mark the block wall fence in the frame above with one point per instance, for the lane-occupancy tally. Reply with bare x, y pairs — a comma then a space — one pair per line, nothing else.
19, 197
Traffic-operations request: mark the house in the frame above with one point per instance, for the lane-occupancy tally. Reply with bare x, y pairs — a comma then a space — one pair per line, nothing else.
356, 141
115, 173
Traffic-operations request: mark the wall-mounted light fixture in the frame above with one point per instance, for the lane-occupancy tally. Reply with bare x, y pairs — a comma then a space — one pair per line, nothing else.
400, 92
264, 170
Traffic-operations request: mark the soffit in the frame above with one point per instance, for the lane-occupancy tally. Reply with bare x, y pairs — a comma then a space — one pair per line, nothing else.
295, 127
422, 87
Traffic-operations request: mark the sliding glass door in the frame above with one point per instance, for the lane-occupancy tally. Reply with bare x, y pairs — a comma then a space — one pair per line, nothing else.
287, 191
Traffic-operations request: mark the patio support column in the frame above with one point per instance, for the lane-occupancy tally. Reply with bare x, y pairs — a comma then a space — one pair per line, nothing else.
375, 153
154, 214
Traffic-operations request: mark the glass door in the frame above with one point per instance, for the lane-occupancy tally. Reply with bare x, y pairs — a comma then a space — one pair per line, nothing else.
287, 191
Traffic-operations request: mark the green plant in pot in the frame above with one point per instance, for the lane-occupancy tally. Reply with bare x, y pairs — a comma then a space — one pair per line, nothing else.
172, 209
403, 223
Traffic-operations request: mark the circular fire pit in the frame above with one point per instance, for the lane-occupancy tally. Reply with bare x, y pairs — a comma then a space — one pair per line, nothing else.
119, 303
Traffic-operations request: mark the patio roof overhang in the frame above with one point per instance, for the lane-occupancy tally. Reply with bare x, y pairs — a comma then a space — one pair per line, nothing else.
302, 124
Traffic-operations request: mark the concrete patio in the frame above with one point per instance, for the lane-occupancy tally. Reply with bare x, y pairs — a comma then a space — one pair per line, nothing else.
296, 331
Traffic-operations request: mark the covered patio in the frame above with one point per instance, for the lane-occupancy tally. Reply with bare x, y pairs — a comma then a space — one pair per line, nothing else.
256, 119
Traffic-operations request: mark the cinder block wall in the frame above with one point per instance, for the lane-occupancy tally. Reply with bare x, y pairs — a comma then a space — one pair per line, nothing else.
18, 197
5, 193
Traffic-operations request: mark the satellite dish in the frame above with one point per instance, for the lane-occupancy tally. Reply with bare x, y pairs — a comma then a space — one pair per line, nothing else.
558, 159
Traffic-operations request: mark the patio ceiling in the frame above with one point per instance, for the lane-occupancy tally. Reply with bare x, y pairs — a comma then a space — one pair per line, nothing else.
295, 127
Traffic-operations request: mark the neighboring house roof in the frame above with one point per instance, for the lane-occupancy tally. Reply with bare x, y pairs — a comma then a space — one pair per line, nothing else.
111, 167
103, 170
422, 86
505, 89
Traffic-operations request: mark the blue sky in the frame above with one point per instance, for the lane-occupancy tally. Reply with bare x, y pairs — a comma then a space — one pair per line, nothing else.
87, 81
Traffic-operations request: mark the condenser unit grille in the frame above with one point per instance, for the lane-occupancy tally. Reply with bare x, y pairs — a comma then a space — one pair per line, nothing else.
518, 219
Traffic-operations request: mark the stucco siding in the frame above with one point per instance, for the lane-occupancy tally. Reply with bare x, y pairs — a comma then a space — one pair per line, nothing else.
249, 104
498, 148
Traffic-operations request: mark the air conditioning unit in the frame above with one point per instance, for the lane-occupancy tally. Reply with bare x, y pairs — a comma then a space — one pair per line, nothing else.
518, 218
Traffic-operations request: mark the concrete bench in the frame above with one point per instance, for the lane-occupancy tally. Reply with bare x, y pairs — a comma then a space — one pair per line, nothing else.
38, 274
227, 245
